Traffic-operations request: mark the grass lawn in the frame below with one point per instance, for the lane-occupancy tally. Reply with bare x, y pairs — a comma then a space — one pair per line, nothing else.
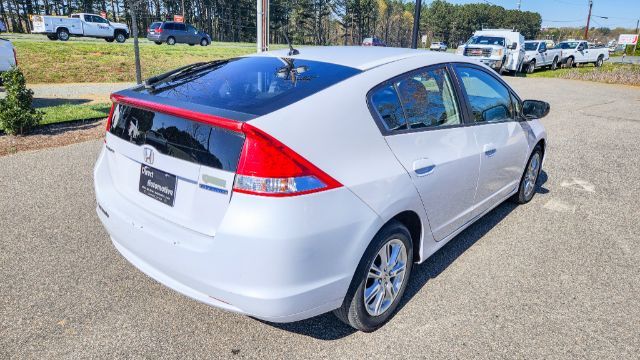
95, 60
627, 74
69, 112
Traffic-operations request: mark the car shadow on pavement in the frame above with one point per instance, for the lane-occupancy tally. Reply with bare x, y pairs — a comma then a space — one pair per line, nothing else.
328, 327
46, 102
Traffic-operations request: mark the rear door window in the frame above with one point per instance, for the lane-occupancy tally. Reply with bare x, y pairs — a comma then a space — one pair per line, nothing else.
254, 85
422, 99
428, 100
180, 27
386, 103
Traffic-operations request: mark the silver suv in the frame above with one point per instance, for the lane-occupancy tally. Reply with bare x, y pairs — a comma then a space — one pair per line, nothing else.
176, 33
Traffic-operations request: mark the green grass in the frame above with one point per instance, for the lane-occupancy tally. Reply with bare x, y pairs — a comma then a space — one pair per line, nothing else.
70, 112
95, 60
627, 74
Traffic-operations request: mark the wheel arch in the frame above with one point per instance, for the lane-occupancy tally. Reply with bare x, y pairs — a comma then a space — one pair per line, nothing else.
543, 144
411, 220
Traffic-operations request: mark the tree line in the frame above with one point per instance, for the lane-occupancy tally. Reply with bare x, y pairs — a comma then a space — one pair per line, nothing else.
316, 22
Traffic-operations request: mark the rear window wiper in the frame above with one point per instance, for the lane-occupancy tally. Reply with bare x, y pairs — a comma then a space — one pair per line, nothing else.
151, 82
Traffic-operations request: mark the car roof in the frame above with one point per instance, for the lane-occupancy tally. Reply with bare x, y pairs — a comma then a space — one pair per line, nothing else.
362, 57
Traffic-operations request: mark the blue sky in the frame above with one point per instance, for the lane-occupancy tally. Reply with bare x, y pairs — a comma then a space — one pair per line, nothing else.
557, 13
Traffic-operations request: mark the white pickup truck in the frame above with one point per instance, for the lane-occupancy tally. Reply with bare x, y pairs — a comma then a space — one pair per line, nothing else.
581, 52
87, 25
538, 55
500, 49
7, 55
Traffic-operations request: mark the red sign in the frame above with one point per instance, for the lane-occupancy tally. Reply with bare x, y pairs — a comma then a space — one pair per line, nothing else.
103, 14
178, 18
628, 39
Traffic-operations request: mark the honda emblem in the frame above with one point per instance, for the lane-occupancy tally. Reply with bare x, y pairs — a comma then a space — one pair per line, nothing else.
148, 155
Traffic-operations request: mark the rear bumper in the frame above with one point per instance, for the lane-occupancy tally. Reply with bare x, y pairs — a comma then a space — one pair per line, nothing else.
277, 259
154, 37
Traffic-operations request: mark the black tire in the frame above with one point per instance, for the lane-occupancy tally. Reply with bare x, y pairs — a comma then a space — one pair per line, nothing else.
525, 195
121, 37
63, 34
158, 42
204, 42
600, 61
353, 311
502, 66
531, 67
171, 40
554, 64
52, 37
569, 63
109, 40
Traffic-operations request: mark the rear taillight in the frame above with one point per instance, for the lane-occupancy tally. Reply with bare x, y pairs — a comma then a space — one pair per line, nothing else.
266, 166
158, 30
269, 168
110, 118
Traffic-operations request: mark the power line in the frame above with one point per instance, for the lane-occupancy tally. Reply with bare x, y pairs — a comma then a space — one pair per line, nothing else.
561, 21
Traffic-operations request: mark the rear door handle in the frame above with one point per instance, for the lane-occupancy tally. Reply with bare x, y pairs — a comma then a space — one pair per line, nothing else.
423, 167
489, 150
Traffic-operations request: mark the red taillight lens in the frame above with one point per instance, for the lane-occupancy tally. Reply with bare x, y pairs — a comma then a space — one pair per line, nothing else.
269, 168
110, 118
158, 30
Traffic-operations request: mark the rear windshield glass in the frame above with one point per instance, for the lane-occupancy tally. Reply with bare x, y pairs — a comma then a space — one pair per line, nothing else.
254, 85
183, 139
155, 25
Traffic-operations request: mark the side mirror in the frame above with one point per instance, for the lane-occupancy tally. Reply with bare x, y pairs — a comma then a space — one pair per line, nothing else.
512, 46
535, 109
580, 47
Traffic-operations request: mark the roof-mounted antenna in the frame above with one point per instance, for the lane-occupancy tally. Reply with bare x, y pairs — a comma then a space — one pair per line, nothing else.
292, 51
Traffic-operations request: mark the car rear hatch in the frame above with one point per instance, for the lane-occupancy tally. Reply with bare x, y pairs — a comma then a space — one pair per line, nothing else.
180, 146
178, 169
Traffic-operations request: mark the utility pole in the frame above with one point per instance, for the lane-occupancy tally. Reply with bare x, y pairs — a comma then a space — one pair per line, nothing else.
586, 30
416, 25
133, 7
519, 3
262, 28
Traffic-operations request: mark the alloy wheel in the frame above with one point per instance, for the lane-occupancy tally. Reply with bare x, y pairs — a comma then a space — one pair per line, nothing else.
532, 175
385, 277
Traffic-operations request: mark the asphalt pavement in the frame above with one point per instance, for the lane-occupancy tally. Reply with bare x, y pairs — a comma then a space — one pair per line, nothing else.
556, 278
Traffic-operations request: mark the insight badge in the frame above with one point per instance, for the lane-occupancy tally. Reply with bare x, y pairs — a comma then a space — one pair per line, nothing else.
214, 184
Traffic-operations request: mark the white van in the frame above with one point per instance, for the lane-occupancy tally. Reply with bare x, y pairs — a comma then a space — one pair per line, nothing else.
502, 50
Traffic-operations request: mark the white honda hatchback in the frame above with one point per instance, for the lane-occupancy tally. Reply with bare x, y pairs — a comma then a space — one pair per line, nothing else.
285, 185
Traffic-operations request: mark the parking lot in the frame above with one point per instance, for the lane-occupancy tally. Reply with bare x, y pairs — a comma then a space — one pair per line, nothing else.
557, 278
